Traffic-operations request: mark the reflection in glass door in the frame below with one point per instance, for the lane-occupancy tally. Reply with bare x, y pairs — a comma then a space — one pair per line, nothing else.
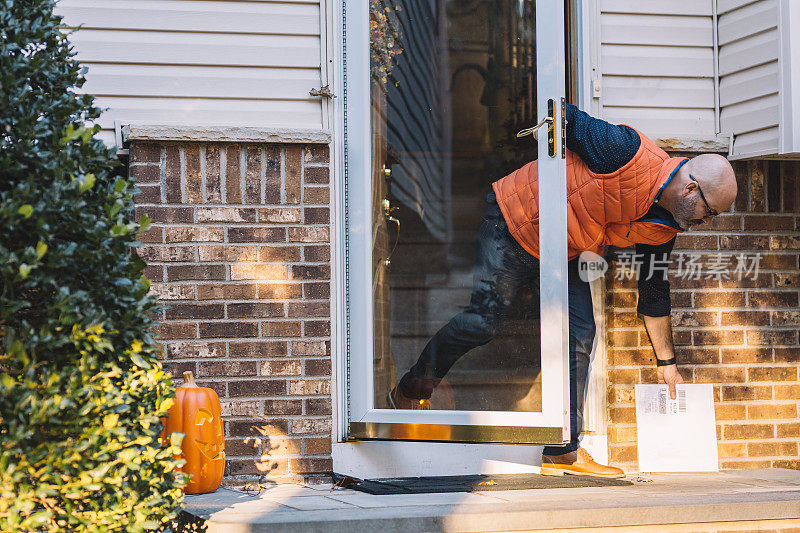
452, 83
435, 99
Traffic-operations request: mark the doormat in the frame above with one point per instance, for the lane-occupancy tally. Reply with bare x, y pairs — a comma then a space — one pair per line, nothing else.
473, 483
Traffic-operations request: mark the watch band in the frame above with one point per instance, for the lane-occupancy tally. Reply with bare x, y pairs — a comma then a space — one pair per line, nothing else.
666, 362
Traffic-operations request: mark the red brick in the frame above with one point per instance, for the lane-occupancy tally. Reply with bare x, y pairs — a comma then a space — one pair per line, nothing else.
153, 235
787, 392
257, 387
772, 410
686, 241
719, 374
773, 299
316, 328
234, 447
146, 173
164, 215
726, 222
213, 180
719, 299
283, 254
228, 329
317, 446
696, 356
187, 310
317, 253
279, 290
259, 349
194, 234
252, 175
714, 337
622, 454
268, 466
194, 183
788, 430
794, 464
256, 235
693, 318
161, 254
746, 355
154, 273
280, 215
306, 272
227, 253
195, 350
227, 368
787, 355
273, 174
779, 262
768, 222
282, 368
316, 153
309, 465
772, 373
148, 194
280, 329
622, 415
317, 406
316, 195
622, 320
745, 318
309, 309
316, 290
283, 407
772, 337
293, 179
625, 376
172, 175
786, 318
227, 291
145, 152
317, 367
630, 357
233, 177
623, 338
175, 330
316, 175
195, 272
730, 412
746, 392
316, 215
258, 427
260, 272
784, 242
748, 431
765, 449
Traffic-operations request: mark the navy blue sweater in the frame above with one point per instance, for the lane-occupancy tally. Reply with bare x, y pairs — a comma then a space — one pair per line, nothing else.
605, 148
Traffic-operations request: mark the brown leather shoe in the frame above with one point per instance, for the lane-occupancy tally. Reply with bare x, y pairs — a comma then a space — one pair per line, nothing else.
578, 462
398, 400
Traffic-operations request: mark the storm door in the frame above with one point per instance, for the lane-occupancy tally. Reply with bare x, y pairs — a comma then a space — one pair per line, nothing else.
438, 94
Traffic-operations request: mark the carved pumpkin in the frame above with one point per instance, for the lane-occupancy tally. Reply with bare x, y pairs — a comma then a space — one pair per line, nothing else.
196, 413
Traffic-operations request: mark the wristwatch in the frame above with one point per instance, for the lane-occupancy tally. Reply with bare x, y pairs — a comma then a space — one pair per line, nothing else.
666, 362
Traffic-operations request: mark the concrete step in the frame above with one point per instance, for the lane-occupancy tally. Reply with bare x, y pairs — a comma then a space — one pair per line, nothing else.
753, 500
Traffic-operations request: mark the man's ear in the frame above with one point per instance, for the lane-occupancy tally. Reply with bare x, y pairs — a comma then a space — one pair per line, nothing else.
689, 188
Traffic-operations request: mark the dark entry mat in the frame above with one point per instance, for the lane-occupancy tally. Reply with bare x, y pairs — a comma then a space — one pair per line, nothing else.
425, 485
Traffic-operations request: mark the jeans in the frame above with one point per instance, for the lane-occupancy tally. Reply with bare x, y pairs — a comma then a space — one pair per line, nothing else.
501, 268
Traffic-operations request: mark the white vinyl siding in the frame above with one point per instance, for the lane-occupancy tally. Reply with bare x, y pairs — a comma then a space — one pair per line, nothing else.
194, 62
749, 44
657, 66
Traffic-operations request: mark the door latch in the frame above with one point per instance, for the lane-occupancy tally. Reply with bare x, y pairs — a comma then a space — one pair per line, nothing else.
551, 128
387, 212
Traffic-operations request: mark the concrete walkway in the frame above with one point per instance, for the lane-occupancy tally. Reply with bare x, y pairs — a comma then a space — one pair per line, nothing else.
740, 500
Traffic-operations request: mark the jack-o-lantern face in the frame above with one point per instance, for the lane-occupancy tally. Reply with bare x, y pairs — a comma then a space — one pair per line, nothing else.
196, 414
205, 423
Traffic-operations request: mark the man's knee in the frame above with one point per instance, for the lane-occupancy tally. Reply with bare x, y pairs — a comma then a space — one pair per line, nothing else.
475, 328
584, 335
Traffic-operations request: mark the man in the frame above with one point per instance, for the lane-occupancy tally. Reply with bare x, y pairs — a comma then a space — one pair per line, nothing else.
622, 190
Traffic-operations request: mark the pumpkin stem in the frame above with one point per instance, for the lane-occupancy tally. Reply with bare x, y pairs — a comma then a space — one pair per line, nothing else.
188, 380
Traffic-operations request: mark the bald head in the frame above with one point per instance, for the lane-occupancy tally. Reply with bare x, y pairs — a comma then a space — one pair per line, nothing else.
708, 177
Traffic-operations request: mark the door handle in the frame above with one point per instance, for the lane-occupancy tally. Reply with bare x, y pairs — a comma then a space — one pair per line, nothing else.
551, 127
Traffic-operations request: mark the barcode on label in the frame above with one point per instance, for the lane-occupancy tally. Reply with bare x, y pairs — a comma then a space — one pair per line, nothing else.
681, 400
662, 402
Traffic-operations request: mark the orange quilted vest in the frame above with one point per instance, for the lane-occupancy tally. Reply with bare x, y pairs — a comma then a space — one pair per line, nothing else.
601, 208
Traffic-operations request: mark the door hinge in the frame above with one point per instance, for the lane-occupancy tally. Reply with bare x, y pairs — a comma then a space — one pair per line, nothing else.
323, 91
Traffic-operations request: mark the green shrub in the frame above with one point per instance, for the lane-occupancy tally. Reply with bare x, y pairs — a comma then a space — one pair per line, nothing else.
81, 389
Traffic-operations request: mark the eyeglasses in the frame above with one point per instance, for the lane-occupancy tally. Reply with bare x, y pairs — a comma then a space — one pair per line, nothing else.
711, 212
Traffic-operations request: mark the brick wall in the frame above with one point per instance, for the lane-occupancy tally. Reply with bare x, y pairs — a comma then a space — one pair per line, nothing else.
741, 335
239, 254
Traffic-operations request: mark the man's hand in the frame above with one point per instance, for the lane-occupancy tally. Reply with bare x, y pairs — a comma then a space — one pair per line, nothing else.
670, 376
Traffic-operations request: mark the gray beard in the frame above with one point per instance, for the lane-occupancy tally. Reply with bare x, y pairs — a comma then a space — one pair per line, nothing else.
685, 212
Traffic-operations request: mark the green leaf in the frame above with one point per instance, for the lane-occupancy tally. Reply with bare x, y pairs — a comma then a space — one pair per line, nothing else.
25, 210
41, 249
139, 361
87, 182
119, 185
24, 270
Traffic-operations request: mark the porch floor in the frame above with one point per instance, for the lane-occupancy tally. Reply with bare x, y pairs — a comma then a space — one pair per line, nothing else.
732, 500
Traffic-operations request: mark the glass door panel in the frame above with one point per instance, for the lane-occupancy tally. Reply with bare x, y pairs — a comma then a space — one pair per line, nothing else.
468, 336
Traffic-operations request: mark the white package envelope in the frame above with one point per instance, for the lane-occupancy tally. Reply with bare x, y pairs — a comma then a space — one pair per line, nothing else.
677, 435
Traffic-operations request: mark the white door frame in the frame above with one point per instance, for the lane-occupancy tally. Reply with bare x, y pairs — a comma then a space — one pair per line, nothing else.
396, 458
